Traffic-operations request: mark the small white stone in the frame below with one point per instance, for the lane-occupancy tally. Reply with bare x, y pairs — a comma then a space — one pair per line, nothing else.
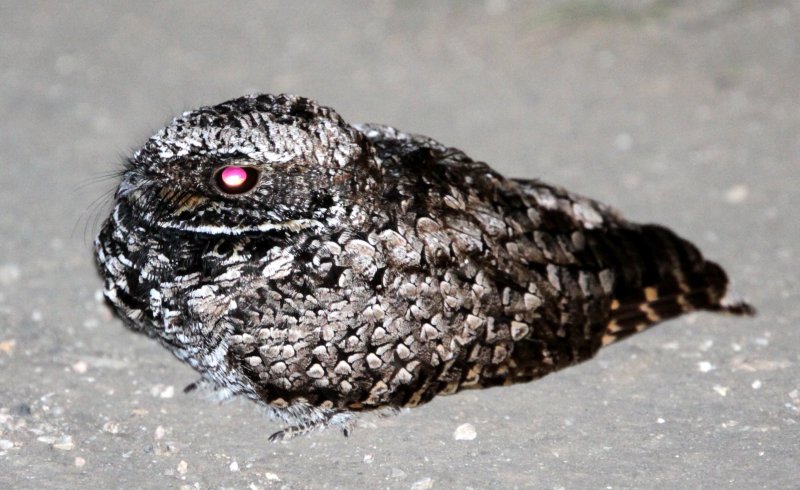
7, 346
756, 384
705, 366
64, 443
5, 444
183, 467
9, 273
721, 390
465, 432
660, 420
271, 476
159, 433
234, 466
737, 194
80, 367
398, 474
79, 462
162, 391
368, 458
424, 484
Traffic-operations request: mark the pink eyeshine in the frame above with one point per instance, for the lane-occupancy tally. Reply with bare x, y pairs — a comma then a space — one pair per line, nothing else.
233, 176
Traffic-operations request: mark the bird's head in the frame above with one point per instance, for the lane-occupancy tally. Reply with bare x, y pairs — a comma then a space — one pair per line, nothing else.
252, 164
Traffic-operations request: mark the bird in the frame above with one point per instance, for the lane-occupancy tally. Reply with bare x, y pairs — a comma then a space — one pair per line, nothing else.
324, 269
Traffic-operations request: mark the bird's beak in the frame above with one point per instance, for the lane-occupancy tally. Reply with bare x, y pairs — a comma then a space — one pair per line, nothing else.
130, 183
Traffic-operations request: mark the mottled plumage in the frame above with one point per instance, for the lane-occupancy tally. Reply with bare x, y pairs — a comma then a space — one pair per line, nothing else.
369, 268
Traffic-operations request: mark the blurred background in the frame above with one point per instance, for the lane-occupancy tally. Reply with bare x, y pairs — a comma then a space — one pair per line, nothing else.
685, 113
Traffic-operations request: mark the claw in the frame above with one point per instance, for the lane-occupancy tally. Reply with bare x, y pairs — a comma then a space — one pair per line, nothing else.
278, 436
291, 433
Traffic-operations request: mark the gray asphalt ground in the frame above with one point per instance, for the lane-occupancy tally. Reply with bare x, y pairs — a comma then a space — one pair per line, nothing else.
685, 113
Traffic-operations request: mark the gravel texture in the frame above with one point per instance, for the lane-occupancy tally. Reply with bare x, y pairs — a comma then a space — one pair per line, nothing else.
679, 112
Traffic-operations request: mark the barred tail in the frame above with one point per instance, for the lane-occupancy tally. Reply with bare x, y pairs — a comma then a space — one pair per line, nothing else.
663, 277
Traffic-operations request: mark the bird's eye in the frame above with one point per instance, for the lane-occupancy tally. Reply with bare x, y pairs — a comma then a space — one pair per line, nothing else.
234, 179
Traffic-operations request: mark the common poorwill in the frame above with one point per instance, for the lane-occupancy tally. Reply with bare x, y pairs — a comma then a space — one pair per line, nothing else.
323, 269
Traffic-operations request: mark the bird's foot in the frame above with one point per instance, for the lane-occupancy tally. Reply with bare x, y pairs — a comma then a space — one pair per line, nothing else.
343, 420
210, 390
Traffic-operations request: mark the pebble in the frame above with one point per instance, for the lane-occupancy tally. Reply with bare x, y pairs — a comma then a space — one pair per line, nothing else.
80, 367
736, 194
721, 390
80, 462
7, 346
755, 365
183, 467
9, 273
162, 391
64, 443
112, 427
5, 444
674, 345
705, 366
424, 484
465, 432
159, 433
271, 476
398, 474
756, 384
234, 466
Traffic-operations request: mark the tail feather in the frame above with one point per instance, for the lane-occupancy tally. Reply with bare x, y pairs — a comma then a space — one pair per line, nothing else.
669, 278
